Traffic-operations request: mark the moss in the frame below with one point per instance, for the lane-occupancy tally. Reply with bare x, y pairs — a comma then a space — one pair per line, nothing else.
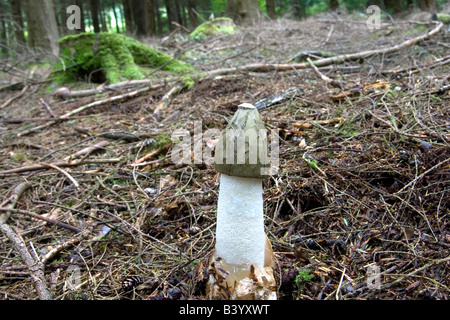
109, 57
445, 18
213, 27
162, 140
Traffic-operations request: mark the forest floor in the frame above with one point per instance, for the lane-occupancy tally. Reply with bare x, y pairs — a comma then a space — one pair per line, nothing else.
359, 208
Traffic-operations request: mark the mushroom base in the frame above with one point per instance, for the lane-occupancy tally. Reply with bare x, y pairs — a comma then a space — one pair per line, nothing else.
242, 282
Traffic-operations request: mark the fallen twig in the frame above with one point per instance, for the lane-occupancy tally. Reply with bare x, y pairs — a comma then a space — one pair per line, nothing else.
152, 154
85, 107
86, 151
58, 164
40, 217
167, 99
48, 108
17, 193
35, 267
10, 100
333, 82
262, 67
75, 182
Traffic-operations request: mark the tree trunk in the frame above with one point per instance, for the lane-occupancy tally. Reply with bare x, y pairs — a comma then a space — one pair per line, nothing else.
103, 18
299, 8
158, 17
116, 19
172, 13
192, 15
150, 18
427, 5
95, 4
245, 11
334, 5
138, 9
3, 39
128, 16
395, 5
16, 12
270, 7
41, 19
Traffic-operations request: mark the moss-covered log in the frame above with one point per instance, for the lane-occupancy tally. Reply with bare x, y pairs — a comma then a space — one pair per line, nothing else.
213, 27
109, 57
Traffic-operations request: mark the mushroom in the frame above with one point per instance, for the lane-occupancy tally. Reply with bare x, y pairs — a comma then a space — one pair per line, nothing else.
242, 264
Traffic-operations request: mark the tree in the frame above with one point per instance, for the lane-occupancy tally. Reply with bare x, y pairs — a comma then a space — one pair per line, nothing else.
270, 7
244, 11
128, 16
16, 12
427, 5
95, 6
395, 5
334, 5
172, 13
192, 13
42, 22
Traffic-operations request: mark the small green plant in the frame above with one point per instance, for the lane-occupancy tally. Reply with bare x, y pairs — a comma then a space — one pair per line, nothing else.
302, 278
19, 157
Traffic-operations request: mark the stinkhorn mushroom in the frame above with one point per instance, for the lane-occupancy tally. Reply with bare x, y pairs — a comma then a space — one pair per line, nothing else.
242, 265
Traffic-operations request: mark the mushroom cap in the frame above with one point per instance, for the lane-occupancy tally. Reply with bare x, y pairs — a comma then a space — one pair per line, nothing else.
242, 147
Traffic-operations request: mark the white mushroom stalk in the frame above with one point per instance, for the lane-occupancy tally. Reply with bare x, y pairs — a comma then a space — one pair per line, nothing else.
242, 264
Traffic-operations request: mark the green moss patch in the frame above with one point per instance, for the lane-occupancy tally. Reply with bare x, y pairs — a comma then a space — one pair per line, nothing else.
109, 57
213, 27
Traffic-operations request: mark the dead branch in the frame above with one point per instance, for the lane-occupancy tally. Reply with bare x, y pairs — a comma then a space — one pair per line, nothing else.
332, 82
10, 100
35, 267
75, 182
49, 109
58, 164
415, 69
261, 67
17, 193
167, 99
152, 154
85, 107
86, 151
67, 244
40, 217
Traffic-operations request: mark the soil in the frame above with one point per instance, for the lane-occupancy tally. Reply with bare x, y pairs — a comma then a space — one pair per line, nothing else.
359, 208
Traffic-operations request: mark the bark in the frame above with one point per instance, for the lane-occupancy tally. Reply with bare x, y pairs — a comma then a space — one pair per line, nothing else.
395, 5
172, 13
95, 4
150, 17
334, 5
427, 5
138, 9
128, 16
16, 12
116, 18
103, 18
42, 23
270, 7
192, 15
244, 11
3, 39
